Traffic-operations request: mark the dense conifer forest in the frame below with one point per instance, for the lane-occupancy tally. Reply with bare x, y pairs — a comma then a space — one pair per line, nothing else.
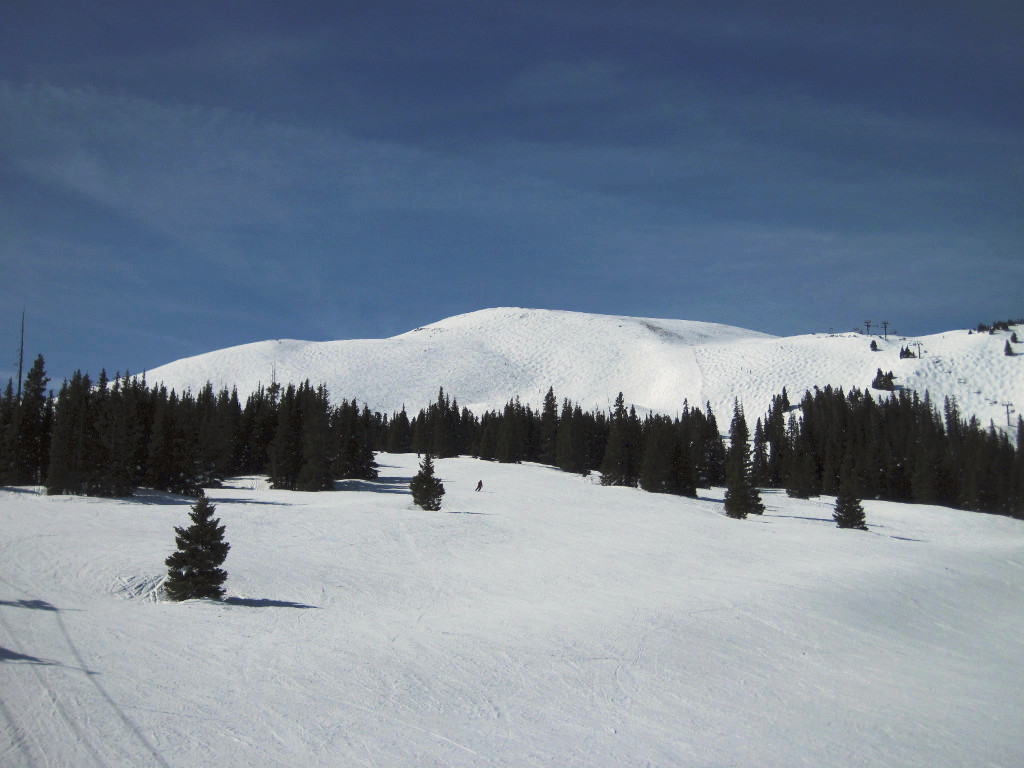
108, 437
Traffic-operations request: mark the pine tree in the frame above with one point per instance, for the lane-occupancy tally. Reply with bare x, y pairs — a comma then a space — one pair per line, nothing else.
659, 451
426, 489
286, 449
549, 429
27, 440
69, 438
621, 462
848, 510
315, 470
194, 569
741, 495
884, 381
399, 438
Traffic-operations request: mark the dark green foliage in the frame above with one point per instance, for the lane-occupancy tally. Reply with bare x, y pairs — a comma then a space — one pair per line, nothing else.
353, 434
906, 353
571, 444
711, 465
194, 569
848, 512
427, 490
623, 453
902, 450
25, 451
1008, 350
513, 433
286, 449
69, 446
399, 434
884, 381
547, 448
659, 449
315, 469
439, 429
999, 325
741, 495
8, 403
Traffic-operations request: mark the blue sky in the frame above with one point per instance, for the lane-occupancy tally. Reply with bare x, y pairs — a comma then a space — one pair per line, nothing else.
181, 177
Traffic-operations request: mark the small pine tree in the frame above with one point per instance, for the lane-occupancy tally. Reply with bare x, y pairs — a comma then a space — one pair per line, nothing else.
1008, 350
194, 569
426, 489
848, 510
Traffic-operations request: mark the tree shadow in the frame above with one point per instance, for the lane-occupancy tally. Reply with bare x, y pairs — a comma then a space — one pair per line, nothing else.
803, 517
162, 498
249, 502
257, 602
8, 656
35, 605
398, 485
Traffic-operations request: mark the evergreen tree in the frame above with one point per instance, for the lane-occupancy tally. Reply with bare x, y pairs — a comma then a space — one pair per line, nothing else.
8, 404
622, 455
570, 448
194, 569
884, 381
549, 429
513, 431
27, 443
315, 470
848, 511
69, 437
760, 455
656, 464
682, 469
354, 435
286, 448
741, 495
399, 439
426, 489
712, 452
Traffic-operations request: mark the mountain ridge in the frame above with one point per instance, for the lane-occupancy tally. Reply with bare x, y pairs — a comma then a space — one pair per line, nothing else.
488, 357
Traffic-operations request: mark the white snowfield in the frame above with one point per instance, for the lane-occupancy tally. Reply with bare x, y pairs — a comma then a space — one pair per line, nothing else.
552, 622
485, 358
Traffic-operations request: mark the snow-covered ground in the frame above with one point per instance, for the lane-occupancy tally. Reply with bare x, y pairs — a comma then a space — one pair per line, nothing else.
551, 622
486, 358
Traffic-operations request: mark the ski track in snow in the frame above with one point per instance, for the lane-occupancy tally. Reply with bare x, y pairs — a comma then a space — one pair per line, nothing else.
548, 621
484, 359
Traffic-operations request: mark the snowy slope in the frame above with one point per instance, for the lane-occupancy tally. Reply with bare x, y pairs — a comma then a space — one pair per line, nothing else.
485, 358
554, 623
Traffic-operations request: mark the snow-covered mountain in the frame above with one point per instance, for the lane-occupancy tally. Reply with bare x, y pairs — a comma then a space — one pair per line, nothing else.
485, 358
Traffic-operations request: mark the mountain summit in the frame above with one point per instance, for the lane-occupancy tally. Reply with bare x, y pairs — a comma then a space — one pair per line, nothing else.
488, 357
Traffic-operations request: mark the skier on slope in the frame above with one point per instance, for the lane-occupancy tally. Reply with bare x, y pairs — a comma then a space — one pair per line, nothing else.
480, 485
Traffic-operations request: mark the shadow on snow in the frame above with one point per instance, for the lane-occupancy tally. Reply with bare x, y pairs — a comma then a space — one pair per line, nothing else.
256, 602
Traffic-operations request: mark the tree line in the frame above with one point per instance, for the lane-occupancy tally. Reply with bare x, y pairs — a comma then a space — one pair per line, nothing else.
108, 437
